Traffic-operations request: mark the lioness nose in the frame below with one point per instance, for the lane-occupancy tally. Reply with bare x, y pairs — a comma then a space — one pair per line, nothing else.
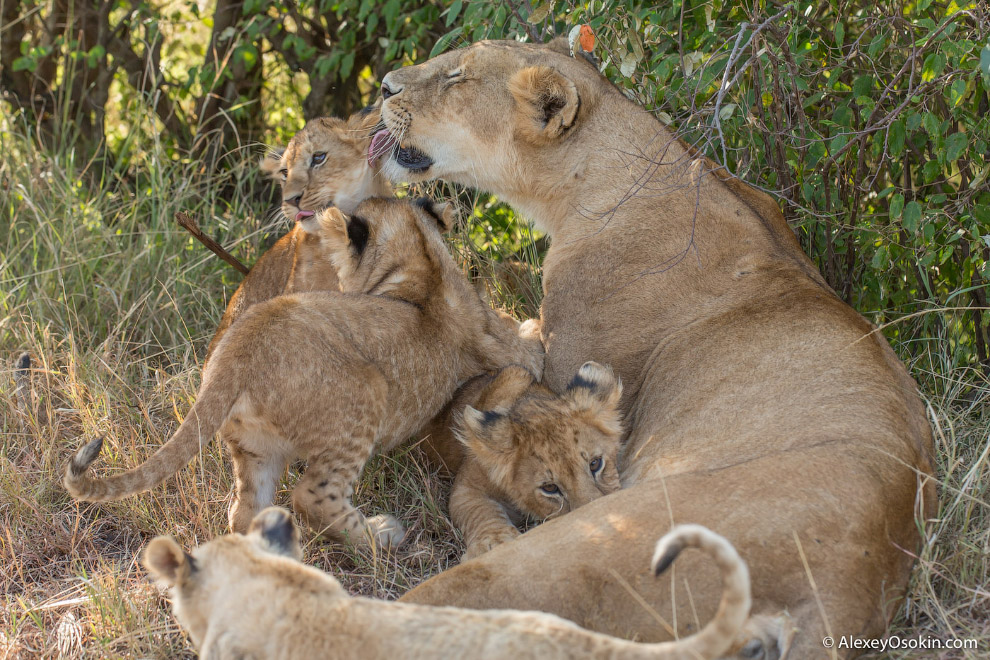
389, 89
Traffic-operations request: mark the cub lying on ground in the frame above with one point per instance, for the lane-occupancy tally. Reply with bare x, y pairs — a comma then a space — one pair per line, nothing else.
525, 451
335, 377
325, 164
249, 597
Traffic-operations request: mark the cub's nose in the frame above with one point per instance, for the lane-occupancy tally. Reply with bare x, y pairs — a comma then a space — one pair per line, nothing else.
295, 200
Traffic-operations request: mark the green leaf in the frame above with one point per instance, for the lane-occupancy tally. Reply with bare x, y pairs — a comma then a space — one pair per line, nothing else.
985, 65
840, 33
444, 41
895, 138
539, 13
911, 218
933, 68
24, 64
957, 93
881, 259
896, 205
955, 144
346, 64
932, 124
454, 11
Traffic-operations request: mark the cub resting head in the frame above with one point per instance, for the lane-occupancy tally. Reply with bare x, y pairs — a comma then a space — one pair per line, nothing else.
250, 597
529, 452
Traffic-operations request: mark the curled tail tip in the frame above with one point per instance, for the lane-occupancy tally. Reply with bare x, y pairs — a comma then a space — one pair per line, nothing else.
676, 540
81, 461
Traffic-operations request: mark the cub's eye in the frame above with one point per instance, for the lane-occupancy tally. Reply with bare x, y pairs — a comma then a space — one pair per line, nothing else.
550, 489
284, 173
454, 74
595, 465
318, 159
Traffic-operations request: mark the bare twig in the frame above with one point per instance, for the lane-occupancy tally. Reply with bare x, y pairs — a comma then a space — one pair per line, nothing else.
186, 222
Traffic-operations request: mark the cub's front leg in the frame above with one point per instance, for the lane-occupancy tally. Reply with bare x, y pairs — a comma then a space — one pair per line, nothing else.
474, 510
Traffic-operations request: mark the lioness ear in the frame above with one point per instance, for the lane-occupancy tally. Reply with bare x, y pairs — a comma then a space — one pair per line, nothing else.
271, 163
547, 102
277, 532
595, 389
443, 213
167, 561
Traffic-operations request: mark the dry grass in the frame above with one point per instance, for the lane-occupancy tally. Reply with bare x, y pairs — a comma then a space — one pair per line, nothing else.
115, 304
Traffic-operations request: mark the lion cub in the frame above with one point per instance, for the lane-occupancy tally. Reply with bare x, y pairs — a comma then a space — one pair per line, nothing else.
526, 451
334, 377
250, 597
325, 164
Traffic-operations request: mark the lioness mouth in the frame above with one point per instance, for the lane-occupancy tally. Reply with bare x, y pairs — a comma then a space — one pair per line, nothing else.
410, 158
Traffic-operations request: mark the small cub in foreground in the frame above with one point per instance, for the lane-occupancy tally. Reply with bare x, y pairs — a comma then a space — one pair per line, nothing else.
250, 597
335, 377
528, 452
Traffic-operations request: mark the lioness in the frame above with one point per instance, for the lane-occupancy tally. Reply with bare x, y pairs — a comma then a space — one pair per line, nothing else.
325, 164
335, 377
527, 451
757, 403
250, 597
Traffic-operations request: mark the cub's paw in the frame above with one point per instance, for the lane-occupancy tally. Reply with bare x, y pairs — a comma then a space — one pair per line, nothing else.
483, 545
386, 531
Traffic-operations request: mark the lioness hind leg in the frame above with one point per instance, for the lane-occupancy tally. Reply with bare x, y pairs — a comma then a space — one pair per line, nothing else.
256, 478
322, 498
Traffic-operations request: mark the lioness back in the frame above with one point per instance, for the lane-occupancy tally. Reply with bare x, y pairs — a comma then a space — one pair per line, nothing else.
325, 164
250, 596
333, 377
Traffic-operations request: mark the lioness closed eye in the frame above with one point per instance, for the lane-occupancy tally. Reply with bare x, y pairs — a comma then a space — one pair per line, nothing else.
334, 377
249, 597
529, 452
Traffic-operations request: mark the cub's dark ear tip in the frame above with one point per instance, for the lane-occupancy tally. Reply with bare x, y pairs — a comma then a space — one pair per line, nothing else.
276, 527
23, 362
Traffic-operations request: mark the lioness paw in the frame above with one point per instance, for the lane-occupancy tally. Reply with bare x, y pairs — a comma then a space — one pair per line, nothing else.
386, 531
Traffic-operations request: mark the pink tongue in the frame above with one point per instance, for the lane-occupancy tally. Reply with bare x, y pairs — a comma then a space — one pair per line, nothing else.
380, 143
303, 214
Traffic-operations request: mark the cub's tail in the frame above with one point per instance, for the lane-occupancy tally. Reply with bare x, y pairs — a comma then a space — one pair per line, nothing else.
715, 639
204, 419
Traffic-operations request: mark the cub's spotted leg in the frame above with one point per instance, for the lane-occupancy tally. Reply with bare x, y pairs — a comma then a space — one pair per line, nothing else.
323, 497
256, 477
483, 521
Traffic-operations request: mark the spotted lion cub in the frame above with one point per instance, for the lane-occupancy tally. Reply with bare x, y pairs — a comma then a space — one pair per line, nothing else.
527, 452
325, 164
333, 377
250, 597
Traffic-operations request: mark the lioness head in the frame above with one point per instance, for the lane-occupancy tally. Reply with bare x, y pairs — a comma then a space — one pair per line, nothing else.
501, 103
386, 246
549, 453
200, 578
326, 164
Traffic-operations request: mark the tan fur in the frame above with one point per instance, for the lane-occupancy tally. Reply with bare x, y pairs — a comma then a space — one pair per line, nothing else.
529, 452
250, 597
757, 403
335, 377
343, 180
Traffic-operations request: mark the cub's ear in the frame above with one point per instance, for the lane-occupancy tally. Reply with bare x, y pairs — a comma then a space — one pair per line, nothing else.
596, 390
167, 561
547, 103
503, 392
442, 213
277, 532
271, 163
